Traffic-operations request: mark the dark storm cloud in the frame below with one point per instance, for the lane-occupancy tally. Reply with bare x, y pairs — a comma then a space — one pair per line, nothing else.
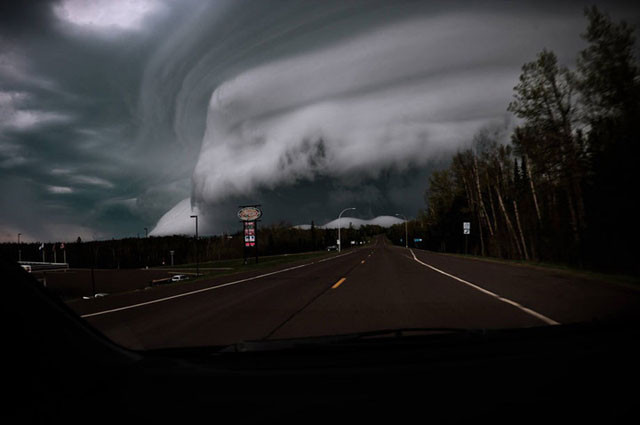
104, 105
67, 121
18, 18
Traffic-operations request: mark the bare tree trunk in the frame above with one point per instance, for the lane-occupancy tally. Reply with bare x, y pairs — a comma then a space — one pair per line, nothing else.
524, 245
533, 191
582, 220
467, 190
480, 201
574, 219
493, 211
506, 217
494, 216
504, 210
482, 251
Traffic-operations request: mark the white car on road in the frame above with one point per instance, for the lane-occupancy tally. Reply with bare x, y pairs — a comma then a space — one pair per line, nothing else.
179, 277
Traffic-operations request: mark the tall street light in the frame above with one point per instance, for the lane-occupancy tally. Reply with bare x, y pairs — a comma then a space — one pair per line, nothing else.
146, 249
406, 233
197, 258
339, 240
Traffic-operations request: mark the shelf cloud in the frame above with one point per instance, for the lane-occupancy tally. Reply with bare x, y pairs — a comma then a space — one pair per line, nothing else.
380, 100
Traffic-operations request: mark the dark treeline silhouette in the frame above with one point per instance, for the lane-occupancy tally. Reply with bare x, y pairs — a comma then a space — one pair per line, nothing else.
560, 187
155, 251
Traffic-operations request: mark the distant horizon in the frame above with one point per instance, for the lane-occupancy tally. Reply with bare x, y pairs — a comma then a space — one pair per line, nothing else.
361, 222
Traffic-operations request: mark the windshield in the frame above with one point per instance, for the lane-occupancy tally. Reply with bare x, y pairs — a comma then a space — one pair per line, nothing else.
193, 173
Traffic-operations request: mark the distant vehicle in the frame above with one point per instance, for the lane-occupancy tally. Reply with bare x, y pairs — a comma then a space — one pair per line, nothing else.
98, 295
179, 277
27, 267
332, 248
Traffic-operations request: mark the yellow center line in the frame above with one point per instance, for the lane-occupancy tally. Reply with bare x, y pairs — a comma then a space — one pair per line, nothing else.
338, 283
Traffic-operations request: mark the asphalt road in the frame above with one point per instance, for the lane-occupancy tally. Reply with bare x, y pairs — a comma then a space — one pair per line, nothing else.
379, 286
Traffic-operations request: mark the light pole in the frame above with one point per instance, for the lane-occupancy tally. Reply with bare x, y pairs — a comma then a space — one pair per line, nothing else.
406, 233
146, 247
19, 250
197, 259
93, 266
339, 240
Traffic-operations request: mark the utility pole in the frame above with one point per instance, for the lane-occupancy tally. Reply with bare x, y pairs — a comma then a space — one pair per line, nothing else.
19, 250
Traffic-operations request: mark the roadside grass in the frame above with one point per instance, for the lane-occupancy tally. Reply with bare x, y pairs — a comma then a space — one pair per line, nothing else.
223, 268
218, 268
623, 279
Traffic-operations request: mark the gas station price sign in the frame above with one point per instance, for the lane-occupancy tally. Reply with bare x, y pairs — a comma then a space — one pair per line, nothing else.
249, 233
249, 216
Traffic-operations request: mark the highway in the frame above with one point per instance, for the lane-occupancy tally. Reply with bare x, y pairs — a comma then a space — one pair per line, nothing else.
378, 286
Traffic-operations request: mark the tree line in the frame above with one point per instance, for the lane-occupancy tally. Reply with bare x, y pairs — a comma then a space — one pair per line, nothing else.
274, 239
559, 187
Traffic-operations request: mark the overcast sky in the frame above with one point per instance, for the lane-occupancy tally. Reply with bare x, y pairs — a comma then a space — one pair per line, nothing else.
116, 115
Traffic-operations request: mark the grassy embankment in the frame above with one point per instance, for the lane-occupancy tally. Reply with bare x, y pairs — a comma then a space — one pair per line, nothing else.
622, 279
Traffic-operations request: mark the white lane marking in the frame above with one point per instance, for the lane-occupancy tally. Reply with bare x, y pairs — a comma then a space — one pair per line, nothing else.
127, 307
492, 294
331, 258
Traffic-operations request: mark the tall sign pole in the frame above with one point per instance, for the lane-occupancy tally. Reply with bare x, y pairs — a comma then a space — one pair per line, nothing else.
249, 215
255, 240
244, 244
